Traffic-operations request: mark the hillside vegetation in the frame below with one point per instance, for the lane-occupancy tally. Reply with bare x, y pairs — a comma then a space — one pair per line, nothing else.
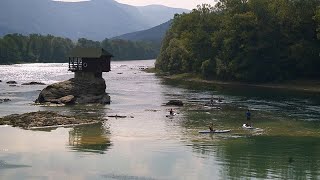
245, 40
94, 19
154, 34
17, 48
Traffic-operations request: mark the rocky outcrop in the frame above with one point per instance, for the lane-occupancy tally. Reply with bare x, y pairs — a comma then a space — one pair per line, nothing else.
76, 90
4, 100
174, 103
34, 83
43, 119
70, 99
12, 82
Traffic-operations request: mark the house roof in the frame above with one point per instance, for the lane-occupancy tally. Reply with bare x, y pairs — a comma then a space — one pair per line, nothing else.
89, 53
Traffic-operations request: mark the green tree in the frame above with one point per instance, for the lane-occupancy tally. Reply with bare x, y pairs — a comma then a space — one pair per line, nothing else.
246, 40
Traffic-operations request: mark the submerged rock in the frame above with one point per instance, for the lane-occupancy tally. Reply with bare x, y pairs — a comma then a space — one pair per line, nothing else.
12, 82
75, 90
4, 100
174, 103
34, 83
117, 116
43, 119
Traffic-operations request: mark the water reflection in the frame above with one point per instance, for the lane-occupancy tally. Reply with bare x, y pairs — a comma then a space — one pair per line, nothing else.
5, 165
297, 104
269, 157
90, 138
287, 148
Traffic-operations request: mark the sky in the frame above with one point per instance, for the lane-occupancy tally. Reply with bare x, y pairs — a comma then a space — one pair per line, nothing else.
187, 4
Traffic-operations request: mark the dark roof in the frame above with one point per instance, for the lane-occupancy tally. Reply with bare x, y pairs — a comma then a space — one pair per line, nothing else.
89, 53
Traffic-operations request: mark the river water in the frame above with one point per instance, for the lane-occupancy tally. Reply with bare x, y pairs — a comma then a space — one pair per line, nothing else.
147, 144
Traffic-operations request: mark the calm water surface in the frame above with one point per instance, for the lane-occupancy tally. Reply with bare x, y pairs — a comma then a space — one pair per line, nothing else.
147, 144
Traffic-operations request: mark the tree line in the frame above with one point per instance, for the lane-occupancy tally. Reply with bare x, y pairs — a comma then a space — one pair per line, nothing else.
245, 40
17, 48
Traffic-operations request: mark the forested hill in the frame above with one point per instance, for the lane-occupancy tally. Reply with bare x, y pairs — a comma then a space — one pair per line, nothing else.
154, 34
251, 40
92, 19
17, 48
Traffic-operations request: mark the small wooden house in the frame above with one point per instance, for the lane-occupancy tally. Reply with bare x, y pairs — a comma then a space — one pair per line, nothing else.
89, 61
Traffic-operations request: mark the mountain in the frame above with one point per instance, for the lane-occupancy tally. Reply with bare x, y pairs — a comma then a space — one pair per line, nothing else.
95, 19
154, 34
153, 12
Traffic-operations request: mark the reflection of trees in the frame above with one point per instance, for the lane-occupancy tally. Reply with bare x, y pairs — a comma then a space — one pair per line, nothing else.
266, 157
89, 138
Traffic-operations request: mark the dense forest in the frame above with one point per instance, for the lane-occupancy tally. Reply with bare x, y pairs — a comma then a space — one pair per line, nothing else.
245, 40
17, 48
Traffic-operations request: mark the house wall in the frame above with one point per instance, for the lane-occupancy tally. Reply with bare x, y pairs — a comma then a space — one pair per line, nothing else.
88, 76
96, 64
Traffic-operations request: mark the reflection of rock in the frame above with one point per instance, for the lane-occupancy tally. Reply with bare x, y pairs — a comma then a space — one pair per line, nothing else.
175, 103
0, 80
89, 138
5, 165
83, 90
43, 119
34, 83
12, 82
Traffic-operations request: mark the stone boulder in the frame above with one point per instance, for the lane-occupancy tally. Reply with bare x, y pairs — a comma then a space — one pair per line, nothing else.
4, 100
70, 99
174, 103
79, 91
12, 82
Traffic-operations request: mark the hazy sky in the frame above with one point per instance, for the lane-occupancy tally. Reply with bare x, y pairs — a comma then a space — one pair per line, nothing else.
188, 4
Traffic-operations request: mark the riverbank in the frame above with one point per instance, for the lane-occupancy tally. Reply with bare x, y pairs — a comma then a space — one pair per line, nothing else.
44, 119
312, 86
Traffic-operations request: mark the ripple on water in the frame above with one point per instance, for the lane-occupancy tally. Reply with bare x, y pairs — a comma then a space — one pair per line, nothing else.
163, 147
5, 165
127, 177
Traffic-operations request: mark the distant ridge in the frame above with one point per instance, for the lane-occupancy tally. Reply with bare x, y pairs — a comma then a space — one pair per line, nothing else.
95, 19
154, 34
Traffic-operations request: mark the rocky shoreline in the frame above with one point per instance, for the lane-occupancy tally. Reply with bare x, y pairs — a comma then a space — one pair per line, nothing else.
311, 86
44, 119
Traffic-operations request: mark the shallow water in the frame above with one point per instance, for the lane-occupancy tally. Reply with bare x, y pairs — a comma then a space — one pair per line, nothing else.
147, 144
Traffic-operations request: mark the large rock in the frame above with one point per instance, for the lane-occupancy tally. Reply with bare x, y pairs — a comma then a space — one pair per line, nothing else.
174, 103
70, 99
4, 100
12, 82
83, 92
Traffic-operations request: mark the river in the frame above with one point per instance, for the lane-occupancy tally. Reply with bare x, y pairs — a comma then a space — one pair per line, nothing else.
147, 144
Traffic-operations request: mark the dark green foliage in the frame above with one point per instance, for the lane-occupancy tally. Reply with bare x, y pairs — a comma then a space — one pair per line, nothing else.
317, 20
131, 50
16, 48
247, 40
